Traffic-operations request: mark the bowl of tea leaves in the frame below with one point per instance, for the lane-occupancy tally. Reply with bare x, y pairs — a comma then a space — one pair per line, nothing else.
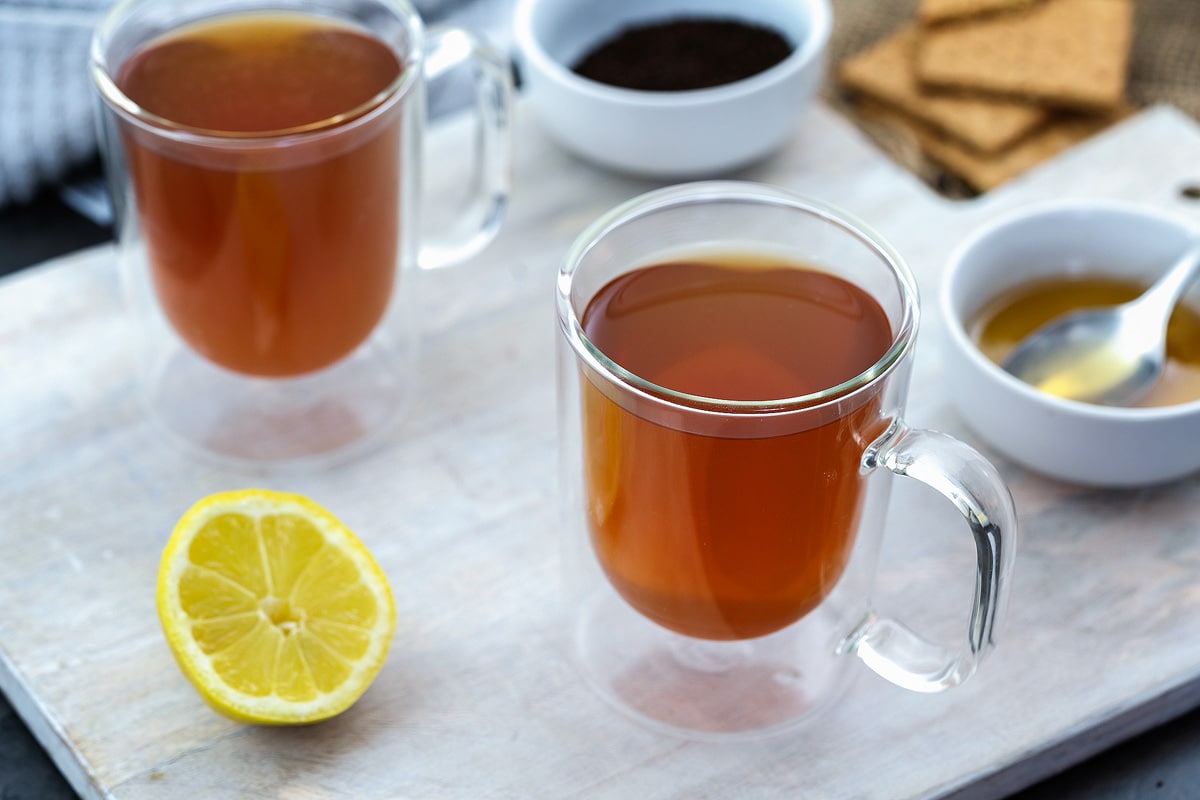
673, 89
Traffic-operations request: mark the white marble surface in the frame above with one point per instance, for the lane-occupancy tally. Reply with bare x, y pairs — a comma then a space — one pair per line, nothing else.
476, 699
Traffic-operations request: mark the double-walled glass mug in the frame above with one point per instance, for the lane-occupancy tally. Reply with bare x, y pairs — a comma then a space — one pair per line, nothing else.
733, 365
265, 161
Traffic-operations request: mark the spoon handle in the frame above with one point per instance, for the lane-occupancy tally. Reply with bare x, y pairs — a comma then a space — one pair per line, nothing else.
1158, 301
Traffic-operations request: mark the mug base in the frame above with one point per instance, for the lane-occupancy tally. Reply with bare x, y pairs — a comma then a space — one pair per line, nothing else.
708, 690
308, 421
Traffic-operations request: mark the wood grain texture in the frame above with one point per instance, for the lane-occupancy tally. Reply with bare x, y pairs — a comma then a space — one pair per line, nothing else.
477, 698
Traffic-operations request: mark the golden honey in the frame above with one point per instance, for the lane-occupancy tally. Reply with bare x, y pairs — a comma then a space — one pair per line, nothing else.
1002, 323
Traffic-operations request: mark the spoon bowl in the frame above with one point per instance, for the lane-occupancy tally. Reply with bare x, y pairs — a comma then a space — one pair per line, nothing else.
1109, 356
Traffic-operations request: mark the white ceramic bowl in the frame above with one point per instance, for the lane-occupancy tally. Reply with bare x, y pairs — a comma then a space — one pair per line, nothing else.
1065, 439
680, 134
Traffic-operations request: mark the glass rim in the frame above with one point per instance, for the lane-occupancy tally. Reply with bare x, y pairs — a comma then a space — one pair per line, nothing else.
749, 193
121, 103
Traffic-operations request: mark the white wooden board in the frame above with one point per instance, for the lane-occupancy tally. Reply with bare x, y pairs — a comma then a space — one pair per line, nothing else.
477, 699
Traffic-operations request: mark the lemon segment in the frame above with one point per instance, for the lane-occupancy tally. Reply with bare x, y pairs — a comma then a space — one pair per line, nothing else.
274, 610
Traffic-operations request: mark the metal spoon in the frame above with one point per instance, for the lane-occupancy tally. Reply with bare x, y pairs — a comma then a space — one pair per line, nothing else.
1107, 355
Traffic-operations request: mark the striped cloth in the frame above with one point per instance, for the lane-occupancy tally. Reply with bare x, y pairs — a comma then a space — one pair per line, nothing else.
46, 122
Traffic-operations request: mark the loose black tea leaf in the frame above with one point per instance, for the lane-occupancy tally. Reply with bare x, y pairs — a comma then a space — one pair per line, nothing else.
684, 54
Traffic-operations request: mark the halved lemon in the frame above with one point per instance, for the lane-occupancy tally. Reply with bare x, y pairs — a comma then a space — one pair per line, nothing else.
275, 611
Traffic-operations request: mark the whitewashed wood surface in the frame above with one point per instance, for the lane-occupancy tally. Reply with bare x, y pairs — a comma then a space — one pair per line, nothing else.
477, 699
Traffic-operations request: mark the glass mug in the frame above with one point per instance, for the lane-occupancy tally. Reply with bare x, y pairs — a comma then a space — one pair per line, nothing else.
732, 371
264, 160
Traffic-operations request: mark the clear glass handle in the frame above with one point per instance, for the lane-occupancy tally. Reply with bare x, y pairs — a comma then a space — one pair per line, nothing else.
967, 479
450, 48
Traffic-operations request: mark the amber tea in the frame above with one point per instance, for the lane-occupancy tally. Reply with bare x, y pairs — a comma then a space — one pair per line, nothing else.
729, 538
268, 263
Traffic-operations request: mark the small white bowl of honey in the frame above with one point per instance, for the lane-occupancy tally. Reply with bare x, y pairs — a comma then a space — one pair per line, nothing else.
1023, 269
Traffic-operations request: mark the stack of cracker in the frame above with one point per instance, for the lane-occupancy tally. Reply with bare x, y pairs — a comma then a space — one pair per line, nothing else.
989, 88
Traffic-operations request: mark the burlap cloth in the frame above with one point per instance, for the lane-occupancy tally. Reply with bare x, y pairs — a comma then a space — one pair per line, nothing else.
1164, 67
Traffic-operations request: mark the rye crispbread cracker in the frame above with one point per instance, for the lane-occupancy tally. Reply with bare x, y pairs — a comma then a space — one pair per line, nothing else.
932, 12
1065, 53
884, 71
985, 172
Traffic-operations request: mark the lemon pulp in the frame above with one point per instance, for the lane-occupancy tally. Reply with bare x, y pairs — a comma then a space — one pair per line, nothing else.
274, 610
